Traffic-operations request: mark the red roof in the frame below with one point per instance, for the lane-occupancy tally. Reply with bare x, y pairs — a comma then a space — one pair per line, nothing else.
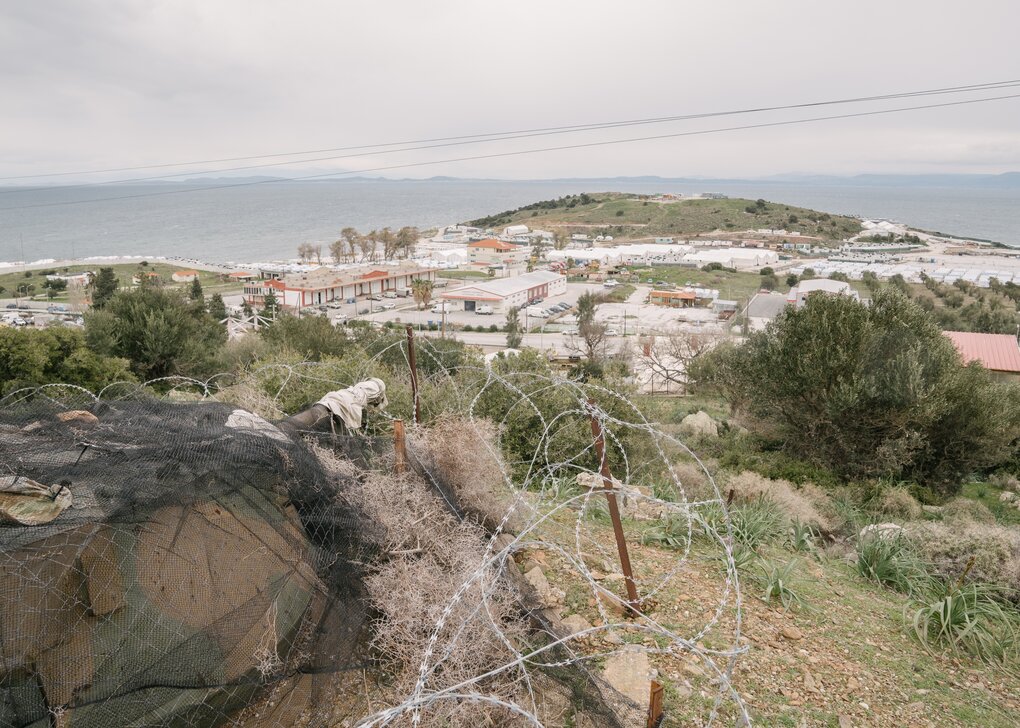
376, 274
493, 244
997, 352
241, 274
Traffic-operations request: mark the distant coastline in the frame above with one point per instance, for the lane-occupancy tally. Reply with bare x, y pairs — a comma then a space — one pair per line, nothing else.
268, 220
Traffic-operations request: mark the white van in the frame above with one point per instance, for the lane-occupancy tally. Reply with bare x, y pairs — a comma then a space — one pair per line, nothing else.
484, 310
440, 307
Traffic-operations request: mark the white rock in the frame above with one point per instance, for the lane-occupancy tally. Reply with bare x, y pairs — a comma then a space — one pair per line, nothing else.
881, 530
699, 423
1007, 496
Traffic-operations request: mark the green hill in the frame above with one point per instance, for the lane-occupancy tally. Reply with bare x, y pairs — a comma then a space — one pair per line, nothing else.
639, 216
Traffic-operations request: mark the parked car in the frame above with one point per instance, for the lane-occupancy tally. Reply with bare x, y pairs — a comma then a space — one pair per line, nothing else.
388, 306
12, 305
484, 310
334, 304
612, 332
390, 294
375, 297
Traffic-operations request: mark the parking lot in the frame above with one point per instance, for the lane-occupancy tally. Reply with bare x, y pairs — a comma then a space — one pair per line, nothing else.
632, 317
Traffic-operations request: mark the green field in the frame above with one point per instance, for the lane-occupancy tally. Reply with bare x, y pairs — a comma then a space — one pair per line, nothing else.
211, 282
637, 217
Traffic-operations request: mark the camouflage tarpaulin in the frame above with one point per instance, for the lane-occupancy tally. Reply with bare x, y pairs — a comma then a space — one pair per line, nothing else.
196, 565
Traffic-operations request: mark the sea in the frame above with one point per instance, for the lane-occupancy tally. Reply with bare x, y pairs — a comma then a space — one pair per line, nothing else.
266, 220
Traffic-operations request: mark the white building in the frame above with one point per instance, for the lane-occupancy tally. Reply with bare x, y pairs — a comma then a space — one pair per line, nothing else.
739, 258
515, 230
798, 295
504, 293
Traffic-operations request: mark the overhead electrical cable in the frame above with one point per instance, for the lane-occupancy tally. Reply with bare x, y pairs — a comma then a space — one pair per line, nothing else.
482, 138
497, 155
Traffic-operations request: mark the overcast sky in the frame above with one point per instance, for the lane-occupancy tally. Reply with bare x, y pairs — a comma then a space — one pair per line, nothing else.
93, 84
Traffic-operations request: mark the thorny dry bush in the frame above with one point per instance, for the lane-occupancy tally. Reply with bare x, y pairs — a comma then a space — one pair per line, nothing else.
465, 454
949, 547
428, 556
806, 503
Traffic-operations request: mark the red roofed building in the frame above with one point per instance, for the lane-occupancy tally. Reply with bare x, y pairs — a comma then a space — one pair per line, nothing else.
997, 353
494, 252
325, 285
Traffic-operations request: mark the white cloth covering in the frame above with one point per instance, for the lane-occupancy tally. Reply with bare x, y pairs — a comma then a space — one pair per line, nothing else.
348, 404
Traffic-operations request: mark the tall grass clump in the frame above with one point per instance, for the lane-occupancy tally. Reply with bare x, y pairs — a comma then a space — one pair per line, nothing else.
967, 618
776, 582
891, 562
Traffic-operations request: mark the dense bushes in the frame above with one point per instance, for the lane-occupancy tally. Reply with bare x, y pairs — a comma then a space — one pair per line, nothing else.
33, 357
868, 391
161, 332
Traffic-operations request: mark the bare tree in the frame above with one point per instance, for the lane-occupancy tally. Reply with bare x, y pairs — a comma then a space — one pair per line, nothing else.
389, 243
338, 251
351, 237
317, 251
305, 252
366, 244
671, 356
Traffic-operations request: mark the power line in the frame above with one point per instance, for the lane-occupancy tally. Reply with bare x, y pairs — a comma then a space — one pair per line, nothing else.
407, 165
484, 138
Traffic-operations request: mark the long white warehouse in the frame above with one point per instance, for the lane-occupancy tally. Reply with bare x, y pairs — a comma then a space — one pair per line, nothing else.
504, 293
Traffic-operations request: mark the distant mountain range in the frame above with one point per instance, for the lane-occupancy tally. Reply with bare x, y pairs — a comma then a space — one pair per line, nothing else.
1010, 180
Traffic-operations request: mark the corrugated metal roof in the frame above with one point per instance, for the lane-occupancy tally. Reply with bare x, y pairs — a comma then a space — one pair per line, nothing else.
997, 352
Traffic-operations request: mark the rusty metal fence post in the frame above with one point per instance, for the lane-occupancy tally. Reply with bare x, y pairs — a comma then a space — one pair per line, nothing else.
614, 510
655, 711
399, 448
413, 362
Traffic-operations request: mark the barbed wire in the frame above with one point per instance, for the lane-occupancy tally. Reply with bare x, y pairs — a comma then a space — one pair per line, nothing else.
542, 512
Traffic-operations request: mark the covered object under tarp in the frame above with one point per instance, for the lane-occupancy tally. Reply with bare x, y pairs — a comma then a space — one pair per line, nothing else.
199, 561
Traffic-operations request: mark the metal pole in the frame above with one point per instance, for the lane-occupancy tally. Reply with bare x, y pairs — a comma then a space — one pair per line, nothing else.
399, 447
413, 361
614, 510
655, 705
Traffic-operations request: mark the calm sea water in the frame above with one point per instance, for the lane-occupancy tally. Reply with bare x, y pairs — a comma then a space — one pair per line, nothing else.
268, 221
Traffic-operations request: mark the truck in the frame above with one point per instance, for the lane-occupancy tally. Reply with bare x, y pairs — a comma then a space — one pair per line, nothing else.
484, 310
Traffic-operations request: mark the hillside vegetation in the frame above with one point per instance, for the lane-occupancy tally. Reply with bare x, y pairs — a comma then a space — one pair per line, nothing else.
638, 216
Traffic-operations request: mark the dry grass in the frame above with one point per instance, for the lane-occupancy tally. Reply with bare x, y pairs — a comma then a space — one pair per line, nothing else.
806, 504
967, 510
950, 546
464, 455
433, 598
898, 503
693, 479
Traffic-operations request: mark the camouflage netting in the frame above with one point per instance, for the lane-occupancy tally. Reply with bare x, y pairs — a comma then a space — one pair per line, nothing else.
191, 564
200, 560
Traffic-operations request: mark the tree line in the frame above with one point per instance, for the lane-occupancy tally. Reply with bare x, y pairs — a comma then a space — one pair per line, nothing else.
353, 245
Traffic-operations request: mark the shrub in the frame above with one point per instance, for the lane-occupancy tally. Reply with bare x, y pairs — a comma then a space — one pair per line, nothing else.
887, 394
1005, 481
949, 548
898, 503
967, 509
693, 480
806, 504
